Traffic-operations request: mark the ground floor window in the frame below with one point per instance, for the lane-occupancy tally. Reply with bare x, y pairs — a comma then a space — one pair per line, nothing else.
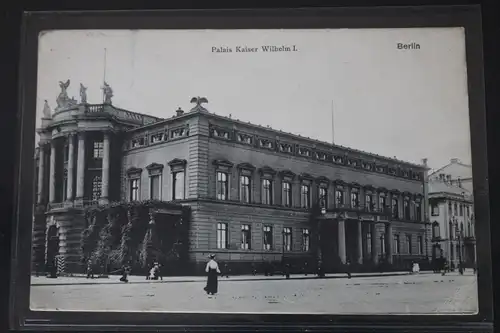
420, 242
245, 237
222, 239
287, 239
268, 237
305, 240
368, 243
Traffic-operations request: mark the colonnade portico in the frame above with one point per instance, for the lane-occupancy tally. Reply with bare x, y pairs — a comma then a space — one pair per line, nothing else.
75, 154
363, 251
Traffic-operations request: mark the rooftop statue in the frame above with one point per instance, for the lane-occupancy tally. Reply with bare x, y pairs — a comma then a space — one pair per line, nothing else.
108, 93
199, 100
83, 93
47, 112
63, 100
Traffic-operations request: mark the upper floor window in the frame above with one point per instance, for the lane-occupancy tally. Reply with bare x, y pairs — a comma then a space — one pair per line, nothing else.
468, 211
246, 237
461, 210
155, 187
134, 189
287, 194
323, 197
268, 237
287, 239
450, 208
354, 199
222, 237
305, 196
455, 208
382, 202
98, 152
469, 229
155, 171
406, 204
96, 187
418, 211
339, 197
369, 206
222, 186
178, 181
395, 208
66, 152
267, 192
305, 240
434, 209
435, 230
245, 189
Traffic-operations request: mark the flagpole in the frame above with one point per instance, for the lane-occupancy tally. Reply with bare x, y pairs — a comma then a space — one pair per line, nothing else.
333, 127
104, 75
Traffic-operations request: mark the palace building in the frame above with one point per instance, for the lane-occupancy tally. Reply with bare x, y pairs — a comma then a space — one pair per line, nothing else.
256, 195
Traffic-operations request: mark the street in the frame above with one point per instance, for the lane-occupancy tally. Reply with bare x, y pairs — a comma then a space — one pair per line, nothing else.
425, 293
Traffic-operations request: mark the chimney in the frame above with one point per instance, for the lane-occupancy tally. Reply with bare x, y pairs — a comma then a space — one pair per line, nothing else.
424, 161
179, 112
459, 182
454, 160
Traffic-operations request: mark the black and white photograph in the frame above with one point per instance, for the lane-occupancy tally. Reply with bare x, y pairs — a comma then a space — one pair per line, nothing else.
278, 171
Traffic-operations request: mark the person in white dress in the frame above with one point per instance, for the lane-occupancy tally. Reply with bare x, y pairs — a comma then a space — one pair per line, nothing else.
212, 270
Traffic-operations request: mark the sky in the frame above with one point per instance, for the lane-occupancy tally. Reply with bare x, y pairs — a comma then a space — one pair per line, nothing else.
404, 103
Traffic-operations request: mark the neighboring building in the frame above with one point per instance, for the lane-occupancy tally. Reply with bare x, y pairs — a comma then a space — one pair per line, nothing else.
251, 189
451, 210
456, 173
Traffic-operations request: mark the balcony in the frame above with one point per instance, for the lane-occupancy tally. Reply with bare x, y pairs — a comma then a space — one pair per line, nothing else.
71, 204
361, 208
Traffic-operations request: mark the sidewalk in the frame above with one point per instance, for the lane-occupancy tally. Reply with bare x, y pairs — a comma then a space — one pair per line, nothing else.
114, 279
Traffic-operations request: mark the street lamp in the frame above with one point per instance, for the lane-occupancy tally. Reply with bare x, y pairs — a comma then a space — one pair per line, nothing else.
458, 233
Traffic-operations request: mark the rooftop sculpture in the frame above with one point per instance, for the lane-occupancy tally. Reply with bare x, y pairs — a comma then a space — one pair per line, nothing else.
63, 101
108, 93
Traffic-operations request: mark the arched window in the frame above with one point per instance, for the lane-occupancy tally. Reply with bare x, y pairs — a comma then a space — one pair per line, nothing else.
435, 230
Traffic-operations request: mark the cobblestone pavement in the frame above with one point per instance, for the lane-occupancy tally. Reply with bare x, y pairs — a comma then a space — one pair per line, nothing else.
424, 293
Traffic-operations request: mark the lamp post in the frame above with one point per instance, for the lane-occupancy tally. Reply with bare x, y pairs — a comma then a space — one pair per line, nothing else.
458, 232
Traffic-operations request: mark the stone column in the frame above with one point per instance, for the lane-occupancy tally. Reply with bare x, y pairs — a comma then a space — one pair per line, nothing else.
41, 174
374, 239
105, 167
71, 166
360, 242
80, 172
388, 239
341, 240
52, 177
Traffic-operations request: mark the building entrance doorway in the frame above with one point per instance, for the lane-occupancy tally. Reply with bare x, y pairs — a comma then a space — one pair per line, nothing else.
52, 249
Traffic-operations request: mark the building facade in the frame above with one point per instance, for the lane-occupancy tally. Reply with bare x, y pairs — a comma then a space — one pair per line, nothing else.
252, 190
451, 205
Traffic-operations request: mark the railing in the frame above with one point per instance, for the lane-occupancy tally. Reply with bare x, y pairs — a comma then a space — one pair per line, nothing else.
363, 208
72, 204
121, 113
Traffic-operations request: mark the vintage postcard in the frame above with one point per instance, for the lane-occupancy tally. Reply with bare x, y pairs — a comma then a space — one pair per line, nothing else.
320, 171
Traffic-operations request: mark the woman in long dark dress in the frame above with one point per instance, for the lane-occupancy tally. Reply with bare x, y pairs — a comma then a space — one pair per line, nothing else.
212, 270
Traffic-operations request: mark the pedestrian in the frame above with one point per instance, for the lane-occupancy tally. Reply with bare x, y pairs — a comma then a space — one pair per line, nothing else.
125, 273
226, 270
348, 268
212, 270
90, 271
